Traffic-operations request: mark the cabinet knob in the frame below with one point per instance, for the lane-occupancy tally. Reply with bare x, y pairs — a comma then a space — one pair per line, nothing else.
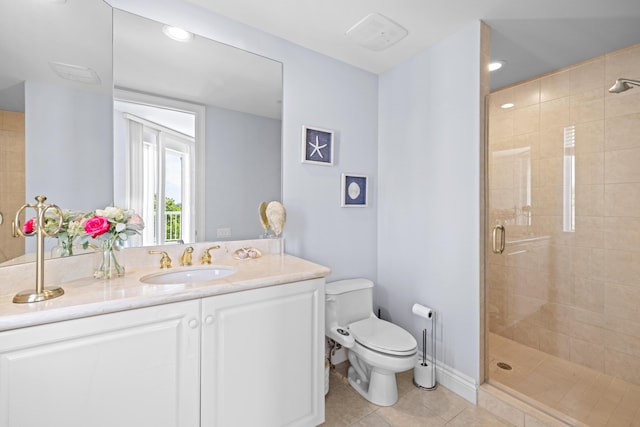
209, 320
193, 323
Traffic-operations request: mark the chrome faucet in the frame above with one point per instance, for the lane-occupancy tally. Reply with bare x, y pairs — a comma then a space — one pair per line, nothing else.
165, 261
186, 257
206, 257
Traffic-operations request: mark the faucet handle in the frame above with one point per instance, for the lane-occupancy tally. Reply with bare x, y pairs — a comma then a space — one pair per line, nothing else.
165, 261
185, 259
206, 257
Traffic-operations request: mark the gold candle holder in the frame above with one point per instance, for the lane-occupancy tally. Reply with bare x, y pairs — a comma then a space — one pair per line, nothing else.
41, 293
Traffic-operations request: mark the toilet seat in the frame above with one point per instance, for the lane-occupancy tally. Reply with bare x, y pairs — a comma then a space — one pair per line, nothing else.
384, 337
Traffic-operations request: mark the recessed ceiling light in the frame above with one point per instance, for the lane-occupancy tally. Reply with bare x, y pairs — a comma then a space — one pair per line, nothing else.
507, 105
496, 65
177, 34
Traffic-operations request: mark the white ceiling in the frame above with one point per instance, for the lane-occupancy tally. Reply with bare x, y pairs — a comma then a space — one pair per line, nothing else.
534, 36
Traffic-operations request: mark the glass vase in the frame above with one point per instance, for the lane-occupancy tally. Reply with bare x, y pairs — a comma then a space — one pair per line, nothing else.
109, 268
66, 247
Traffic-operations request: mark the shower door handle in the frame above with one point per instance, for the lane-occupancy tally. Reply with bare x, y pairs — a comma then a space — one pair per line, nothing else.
495, 248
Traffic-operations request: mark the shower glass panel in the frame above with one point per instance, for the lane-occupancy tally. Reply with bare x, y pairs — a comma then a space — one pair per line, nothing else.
563, 297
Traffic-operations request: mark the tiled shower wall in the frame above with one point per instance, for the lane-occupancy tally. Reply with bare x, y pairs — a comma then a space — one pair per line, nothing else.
574, 294
12, 182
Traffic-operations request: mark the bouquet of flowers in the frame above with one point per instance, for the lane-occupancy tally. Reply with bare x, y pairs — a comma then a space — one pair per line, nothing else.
111, 225
70, 229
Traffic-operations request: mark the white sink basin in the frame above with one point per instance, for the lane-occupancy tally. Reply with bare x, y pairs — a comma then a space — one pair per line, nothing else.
188, 275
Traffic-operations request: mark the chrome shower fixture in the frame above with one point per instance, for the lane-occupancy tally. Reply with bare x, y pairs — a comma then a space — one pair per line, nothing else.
623, 84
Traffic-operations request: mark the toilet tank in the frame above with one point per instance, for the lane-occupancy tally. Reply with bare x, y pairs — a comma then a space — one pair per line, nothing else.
348, 301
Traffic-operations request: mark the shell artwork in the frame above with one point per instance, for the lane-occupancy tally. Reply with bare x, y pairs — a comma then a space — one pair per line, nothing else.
262, 213
276, 216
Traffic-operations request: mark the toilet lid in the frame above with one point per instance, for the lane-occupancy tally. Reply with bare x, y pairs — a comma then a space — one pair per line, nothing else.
383, 336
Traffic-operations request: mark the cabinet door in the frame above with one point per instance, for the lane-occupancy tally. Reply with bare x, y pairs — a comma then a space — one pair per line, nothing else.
133, 368
263, 357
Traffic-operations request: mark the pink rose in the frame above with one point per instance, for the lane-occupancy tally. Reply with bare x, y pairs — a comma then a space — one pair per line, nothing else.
28, 226
96, 226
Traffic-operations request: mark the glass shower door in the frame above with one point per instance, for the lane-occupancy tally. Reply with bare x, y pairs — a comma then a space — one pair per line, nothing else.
563, 244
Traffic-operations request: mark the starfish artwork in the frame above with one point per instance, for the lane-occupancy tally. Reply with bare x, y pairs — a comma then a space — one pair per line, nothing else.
317, 147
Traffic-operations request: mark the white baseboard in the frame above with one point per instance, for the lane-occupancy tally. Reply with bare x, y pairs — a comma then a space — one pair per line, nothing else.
457, 382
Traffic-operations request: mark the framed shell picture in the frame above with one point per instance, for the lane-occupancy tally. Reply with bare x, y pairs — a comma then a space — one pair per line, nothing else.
317, 146
354, 193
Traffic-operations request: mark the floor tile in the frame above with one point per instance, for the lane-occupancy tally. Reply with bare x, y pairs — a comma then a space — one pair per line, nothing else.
415, 406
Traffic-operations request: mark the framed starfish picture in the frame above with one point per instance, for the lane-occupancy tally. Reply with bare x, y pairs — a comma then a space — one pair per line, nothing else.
317, 146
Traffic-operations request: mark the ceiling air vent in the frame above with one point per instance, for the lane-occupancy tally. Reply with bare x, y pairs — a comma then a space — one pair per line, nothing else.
76, 73
376, 32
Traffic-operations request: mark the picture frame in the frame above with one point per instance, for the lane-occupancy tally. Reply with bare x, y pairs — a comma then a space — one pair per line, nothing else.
317, 146
354, 191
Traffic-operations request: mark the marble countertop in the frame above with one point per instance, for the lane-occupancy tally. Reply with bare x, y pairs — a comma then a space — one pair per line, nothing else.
88, 296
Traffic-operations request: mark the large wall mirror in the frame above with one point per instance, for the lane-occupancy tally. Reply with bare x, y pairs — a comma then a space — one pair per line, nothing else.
84, 88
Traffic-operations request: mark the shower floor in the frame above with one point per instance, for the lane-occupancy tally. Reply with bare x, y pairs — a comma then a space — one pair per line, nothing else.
559, 387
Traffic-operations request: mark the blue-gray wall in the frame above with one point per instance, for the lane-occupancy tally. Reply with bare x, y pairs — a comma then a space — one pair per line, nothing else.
429, 172
419, 236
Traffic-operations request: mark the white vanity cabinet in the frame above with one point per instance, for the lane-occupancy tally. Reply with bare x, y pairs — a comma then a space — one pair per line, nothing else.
131, 368
263, 357
248, 358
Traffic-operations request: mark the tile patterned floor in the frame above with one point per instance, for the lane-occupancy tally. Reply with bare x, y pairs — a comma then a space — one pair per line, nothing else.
589, 397
415, 407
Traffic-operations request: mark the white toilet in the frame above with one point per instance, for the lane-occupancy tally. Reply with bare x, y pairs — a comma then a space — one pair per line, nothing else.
377, 349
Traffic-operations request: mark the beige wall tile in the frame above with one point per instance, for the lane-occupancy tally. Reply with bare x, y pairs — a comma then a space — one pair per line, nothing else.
621, 301
588, 76
526, 119
587, 354
622, 166
555, 86
623, 343
551, 171
501, 125
500, 97
589, 168
623, 326
555, 343
527, 93
622, 63
589, 200
623, 366
13, 121
552, 142
620, 104
547, 200
622, 199
555, 113
587, 106
622, 132
623, 267
590, 137
623, 234
589, 294
589, 231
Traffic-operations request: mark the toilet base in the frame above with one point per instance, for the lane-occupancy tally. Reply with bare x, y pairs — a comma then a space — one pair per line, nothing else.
381, 389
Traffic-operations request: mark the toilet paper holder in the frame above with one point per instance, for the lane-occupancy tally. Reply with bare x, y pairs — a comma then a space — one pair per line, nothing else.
424, 374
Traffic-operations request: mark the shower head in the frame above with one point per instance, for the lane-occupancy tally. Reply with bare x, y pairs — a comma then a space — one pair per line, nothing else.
623, 84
